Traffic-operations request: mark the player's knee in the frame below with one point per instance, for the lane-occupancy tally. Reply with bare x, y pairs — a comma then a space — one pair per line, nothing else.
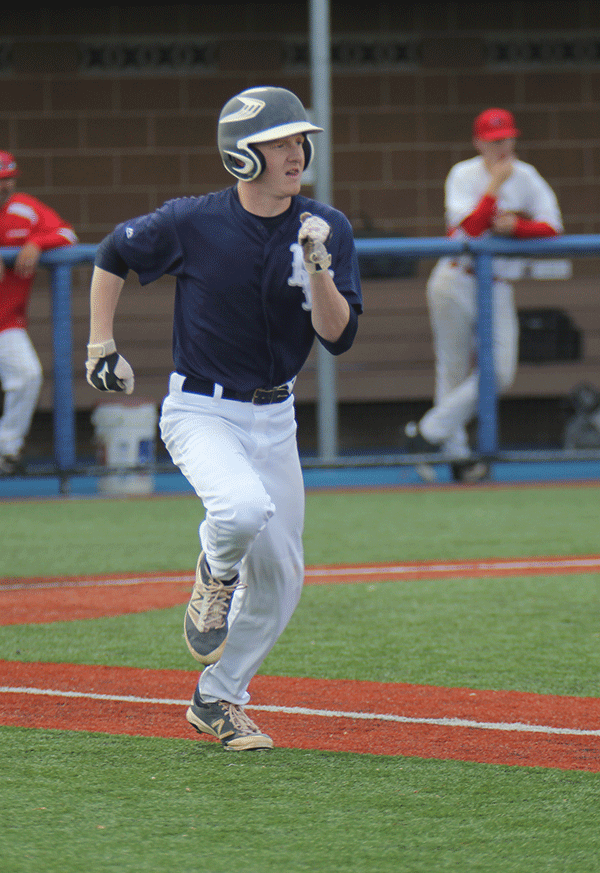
251, 515
505, 376
28, 379
36, 378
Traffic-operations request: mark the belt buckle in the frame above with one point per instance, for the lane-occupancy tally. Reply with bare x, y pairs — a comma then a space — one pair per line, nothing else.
262, 396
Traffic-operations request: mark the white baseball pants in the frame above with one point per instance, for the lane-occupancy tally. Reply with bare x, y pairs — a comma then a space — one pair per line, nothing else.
21, 379
242, 461
452, 301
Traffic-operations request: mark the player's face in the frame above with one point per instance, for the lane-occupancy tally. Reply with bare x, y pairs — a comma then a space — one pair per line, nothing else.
496, 150
284, 160
7, 188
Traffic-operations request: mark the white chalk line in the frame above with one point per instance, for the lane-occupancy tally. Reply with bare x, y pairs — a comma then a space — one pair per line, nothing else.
458, 568
585, 564
518, 727
186, 579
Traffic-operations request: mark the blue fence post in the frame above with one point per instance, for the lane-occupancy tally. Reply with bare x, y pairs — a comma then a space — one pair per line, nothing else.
487, 433
62, 342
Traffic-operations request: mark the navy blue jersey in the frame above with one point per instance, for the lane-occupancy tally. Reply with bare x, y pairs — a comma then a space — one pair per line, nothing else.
242, 301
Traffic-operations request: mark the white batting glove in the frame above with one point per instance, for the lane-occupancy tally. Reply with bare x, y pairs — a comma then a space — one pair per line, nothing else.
107, 370
312, 236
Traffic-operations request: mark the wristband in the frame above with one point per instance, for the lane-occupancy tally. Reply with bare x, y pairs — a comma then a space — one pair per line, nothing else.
101, 350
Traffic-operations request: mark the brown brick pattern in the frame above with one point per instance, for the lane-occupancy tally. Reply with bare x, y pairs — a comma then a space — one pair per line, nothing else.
396, 132
102, 146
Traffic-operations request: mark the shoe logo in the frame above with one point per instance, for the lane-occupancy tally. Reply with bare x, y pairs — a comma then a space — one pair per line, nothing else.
218, 726
128, 232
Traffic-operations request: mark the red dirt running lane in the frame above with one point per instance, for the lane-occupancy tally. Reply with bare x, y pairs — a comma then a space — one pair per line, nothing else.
27, 600
493, 727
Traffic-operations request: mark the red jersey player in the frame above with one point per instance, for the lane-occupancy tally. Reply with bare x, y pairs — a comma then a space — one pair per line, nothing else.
29, 224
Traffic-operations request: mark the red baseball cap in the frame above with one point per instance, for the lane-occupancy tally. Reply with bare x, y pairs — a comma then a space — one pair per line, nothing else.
495, 124
8, 166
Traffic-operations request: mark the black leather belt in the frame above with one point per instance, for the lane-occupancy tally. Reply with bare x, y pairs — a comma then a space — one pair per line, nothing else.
260, 396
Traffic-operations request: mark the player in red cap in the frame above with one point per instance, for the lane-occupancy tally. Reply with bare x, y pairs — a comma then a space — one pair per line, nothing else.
495, 124
32, 226
492, 193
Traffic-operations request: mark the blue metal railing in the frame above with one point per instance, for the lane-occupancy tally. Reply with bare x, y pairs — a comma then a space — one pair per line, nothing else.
60, 263
483, 250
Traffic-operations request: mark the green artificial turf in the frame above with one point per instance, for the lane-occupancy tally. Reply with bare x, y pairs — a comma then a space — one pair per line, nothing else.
447, 524
119, 804
539, 634
75, 801
72, 537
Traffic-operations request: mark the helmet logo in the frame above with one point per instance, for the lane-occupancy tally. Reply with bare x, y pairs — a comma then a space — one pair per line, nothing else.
250, 109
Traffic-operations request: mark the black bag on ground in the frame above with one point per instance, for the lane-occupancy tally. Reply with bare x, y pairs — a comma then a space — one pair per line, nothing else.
582, 430
548, 335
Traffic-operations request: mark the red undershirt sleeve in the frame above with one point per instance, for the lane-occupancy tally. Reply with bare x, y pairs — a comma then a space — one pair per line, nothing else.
527, 229
481, 217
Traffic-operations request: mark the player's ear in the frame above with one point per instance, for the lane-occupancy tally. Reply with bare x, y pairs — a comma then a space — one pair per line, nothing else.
260, 155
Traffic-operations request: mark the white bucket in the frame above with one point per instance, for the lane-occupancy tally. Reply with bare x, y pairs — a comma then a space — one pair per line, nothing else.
126, 437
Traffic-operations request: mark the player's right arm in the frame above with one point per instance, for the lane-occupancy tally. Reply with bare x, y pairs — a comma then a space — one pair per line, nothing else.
106, 369
474, 212
105, 291
149, 245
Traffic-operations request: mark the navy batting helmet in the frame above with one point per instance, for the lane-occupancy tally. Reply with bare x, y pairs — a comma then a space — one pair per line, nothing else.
260, 115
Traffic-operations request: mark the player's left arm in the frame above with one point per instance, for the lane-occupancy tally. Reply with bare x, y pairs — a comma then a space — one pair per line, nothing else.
541, 216
330, 309
48, 231
335, 321
521, 226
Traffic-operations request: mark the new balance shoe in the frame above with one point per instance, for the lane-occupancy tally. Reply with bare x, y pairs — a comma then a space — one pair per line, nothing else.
205, 624
228, 723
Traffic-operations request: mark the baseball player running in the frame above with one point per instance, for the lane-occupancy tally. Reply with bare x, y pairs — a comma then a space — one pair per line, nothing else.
260, 271
493, 193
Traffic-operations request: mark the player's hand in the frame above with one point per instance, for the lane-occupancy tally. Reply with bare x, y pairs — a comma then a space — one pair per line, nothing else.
313, 235
107, 370
27, 260
504, 223
500, 172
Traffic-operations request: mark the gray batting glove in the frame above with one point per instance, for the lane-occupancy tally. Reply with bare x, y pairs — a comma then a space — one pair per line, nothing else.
313, 234
107, 370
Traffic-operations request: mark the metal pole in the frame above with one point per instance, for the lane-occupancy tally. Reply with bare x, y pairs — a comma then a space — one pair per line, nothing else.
64, 410
320, 54
488, 399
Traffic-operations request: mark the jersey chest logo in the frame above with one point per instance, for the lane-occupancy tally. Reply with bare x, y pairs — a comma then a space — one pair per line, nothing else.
300, 277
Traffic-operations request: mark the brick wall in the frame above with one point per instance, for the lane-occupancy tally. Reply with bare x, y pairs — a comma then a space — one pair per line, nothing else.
110, 111
102, 141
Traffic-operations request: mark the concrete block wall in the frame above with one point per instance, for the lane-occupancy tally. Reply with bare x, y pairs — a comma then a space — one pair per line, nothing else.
109, 114
102, 142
